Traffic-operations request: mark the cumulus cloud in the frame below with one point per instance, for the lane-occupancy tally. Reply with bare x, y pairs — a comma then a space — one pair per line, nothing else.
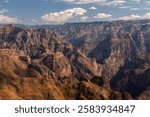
63, 16
6, 1
115, 2
124, 7
136, 17
102, 2
92, 8
83, 1
146, 16
103, 16
7, 19
34, 21
3, 11
69, 0
84, 18
134, 9
131, 17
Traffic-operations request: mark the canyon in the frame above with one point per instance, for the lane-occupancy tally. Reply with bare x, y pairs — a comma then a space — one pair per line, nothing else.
90, 61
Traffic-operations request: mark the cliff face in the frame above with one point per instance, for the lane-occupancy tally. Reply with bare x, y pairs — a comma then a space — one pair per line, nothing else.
133, 77
24, 78
109, 42
99, 60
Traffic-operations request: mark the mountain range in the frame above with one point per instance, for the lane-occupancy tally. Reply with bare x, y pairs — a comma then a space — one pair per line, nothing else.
92, 61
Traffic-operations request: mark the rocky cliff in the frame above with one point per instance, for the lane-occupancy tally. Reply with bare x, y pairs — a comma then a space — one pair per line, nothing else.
98, 60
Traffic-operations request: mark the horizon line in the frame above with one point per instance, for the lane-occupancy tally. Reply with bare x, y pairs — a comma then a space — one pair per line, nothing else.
71, 22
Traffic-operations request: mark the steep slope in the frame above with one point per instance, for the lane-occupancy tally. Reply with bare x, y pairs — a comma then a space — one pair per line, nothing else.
18, 80
110, 43
46, 48
133, 77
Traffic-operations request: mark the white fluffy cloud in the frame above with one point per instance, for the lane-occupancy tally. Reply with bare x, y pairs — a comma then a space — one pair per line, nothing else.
7, 1
146, 16
115, 2
63, 16
3, 11
103, 16
92, 8
83, 1
131, 17
84, 18
34, 21
102, 2
134, 8
7, 19
136, 17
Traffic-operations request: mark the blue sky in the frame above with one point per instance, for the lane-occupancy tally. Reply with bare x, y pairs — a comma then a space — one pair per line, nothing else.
62, 11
